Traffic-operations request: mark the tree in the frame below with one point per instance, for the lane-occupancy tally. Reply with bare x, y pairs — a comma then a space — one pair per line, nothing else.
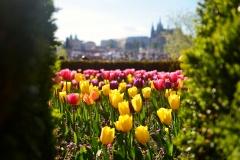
27, 45
211, 106
183, 33
176, 43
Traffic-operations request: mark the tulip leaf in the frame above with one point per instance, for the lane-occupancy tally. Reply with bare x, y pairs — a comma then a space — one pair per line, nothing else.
75, 137
105, 114
96, 127
138, 154
167, 157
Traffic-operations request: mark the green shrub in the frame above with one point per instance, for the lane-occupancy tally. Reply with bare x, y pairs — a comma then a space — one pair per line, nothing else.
26, 64
211, 122
138, 65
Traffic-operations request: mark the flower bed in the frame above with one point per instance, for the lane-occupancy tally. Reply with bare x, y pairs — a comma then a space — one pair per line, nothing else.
116, 114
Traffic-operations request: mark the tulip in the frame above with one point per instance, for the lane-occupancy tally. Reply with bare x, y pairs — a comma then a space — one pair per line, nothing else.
122, 86
167, 84
94, 94
142, 134
132, 91
79, 77
62, 96
118, 126
106, 89
84, 86
65, 74
115, 97
107, 135
73, 98
114, 84
174, 101
123, 108
94, 82
137, 103
130, 78
138, 82
146, 92
124, 123
158, 84
105, 74
66, 86
173, 77
165, 116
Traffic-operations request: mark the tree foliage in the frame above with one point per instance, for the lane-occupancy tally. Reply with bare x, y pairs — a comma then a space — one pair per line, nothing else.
26, 63
210, 111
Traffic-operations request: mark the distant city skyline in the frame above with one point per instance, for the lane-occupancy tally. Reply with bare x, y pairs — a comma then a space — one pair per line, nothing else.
96, 20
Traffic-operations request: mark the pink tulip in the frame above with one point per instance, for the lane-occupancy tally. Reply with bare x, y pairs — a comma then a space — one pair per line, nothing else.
65, 74
159, 84
173, 77
73, 98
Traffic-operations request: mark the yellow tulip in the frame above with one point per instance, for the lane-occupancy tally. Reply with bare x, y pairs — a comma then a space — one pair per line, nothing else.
123, 108
165, 116
107, 135
118, 125
137, 103
115, 97
124, 123
84, 86
132, 91
130, 78
122, 86
79, 76
146, 92
62, 96
106, 89
174, 101
142, 134
67, 89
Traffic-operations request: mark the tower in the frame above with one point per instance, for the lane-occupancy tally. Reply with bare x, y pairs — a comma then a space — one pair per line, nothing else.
152, 32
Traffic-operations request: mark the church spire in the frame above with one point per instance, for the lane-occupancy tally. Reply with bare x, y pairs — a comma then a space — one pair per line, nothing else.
152, 32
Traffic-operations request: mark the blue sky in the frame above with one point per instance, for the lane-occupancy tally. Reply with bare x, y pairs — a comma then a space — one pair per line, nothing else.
96, 20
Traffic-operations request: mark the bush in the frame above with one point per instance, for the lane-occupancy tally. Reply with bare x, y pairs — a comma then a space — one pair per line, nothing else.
26, 34
211, 125
168, 66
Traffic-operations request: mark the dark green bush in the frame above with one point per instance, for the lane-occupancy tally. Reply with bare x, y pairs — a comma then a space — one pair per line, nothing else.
138, 65
211, 107
26, 64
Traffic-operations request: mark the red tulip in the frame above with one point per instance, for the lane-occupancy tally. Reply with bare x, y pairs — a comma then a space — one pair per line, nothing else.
158, 84
73, 98
173, 77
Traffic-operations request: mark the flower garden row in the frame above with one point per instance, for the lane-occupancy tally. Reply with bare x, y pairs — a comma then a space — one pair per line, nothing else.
116, 114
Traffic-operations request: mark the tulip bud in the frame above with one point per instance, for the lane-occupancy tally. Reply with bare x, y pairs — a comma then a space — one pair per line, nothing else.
174, 101
84, 86
146, 92
173, 77
114, 84
106, 89
158, 84
165, 116
107, 135
137, 103
138, 83
62, 96
115, 97
142, 134
73, 98
132, 91
126, 122
123, 108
